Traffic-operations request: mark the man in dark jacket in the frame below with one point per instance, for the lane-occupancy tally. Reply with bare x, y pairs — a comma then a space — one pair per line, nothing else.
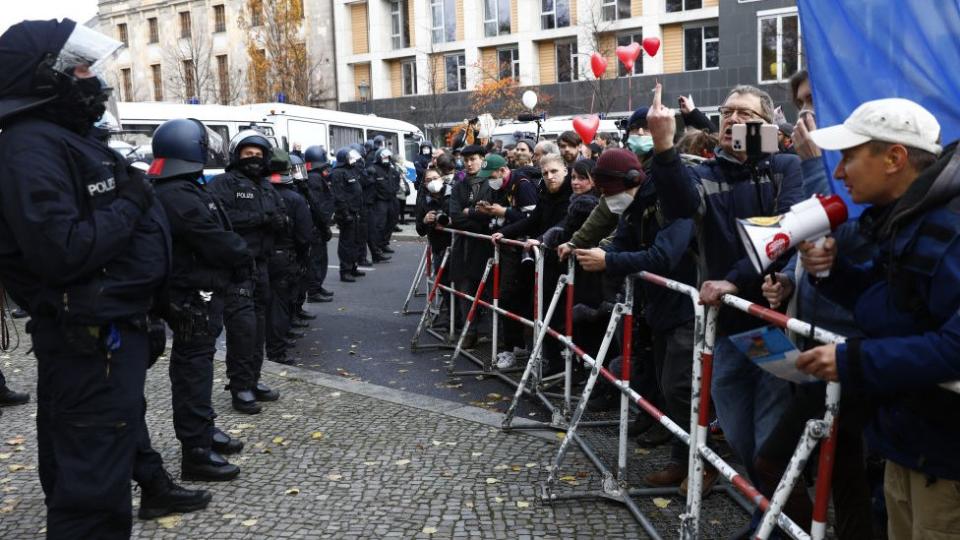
469, 255
386, 180
206, 255
749, 400
906, 301
348, 195
422, 162
252, 209
322, 207
86, 252
288, 260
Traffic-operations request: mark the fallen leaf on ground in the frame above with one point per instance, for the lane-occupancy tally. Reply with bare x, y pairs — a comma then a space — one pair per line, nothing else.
501, 467
641, 451
660, 502
437, 443
476, 454
316, 435
531, 465
334, 477
235, 432
292, 491
229, 516
369, 463
402, 462
493, 395
492, 480
523, 504
5, 455
169, 522
245, 426
248, 522
335, 394
498, 499
429, 530
16, 468
288, 416
19, 439
277, 440
561, 435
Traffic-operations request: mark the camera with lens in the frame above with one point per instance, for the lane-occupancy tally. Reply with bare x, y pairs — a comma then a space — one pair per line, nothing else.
442, 218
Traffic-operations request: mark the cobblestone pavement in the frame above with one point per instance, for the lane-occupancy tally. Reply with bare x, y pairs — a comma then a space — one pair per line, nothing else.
336, 458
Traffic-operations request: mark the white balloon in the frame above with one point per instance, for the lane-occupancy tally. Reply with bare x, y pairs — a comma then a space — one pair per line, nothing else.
529, 99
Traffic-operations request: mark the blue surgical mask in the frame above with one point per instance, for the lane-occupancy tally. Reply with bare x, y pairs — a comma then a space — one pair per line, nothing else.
640, 144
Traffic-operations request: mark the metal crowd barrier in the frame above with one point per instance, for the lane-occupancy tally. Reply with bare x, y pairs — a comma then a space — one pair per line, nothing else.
615, 486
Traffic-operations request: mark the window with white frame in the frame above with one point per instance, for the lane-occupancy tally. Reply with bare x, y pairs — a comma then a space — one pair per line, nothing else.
399, 29
508, 61
554, 14
496, 17
444, 16
567, 62
634, 36
456, 69
408, 74
612, 10
779, 47
683, 5
701, 47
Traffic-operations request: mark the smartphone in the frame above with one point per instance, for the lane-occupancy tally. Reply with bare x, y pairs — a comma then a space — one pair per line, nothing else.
755, 138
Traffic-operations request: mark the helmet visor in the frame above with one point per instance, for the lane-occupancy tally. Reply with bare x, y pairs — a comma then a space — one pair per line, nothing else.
299, 171
85, 47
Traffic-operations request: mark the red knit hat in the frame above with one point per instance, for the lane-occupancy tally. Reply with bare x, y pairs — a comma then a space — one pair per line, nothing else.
617, 170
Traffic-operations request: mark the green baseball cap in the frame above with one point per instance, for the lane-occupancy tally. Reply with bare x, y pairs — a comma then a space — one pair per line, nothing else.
491, 163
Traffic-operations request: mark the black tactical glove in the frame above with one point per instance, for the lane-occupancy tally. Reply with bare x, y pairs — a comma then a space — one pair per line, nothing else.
133, 185
325, 233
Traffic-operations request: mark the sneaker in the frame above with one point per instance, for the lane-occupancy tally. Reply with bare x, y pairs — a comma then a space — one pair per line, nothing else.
506, 360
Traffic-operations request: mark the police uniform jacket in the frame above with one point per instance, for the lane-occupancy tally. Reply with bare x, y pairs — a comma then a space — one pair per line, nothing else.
348, 194
322, 202
246, 203
386, 181
69, 246
206, 252
298, 235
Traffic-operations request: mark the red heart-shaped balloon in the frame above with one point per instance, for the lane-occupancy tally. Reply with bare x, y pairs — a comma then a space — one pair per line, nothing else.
628, 54
651, 45
586, 127
598, 64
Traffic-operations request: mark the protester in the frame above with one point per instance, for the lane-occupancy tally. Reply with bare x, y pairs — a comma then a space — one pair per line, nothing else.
906, 302
569, 145
749, 401
543, 148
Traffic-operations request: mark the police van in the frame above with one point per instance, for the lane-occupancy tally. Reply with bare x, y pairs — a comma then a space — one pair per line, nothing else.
286, 125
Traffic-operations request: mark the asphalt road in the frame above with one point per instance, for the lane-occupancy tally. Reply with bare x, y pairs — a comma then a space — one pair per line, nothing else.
363, 335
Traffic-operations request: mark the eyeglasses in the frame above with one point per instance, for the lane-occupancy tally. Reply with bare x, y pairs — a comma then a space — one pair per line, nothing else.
727, 112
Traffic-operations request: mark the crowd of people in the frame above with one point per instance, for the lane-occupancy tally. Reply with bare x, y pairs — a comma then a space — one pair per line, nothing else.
666, 201
104, 256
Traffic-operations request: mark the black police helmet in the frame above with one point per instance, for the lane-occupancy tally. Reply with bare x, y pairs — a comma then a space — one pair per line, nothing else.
315, 155
180, 147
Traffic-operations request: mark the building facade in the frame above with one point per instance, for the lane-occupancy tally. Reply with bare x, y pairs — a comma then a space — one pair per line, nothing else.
202, 51
426, 61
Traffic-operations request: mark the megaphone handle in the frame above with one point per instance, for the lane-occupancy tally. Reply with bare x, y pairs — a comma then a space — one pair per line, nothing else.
819, 243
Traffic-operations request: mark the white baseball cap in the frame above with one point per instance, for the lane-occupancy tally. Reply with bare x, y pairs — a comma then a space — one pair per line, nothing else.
892, 120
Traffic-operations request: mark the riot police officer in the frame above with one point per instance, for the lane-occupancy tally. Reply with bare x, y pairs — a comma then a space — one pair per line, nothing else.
206, 254
386, 181
369, 232
322, 206
85, 252
348, 197
288, 259
251, 208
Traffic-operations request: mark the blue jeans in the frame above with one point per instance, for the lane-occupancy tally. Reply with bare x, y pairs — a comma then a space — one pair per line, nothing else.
749, 401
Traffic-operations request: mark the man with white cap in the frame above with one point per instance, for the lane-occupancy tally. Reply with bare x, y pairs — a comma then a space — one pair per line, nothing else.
906, 300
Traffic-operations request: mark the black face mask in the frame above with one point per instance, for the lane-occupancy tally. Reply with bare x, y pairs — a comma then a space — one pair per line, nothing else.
79, 106
252, 167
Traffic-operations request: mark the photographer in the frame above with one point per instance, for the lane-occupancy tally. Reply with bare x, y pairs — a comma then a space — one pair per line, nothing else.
906, 301
749, 401
432, 204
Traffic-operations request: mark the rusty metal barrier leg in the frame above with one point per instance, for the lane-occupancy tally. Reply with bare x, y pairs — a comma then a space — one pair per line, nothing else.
428, 310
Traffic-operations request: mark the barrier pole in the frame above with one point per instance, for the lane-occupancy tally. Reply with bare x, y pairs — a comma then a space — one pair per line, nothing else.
495, 333
433, 292
568, 328
473, 310
534, 359
625, 360
417, 280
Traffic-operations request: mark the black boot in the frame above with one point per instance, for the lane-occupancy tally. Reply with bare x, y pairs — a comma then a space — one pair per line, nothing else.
225, 444
299, 323
281, 359
379, 257
386, 249
19, 313
364, 262
164, 497
245, 401
357, 273
294, 335
265, 393
9, 397
347, 276
316, 298
324, 292
206, 465
305, 315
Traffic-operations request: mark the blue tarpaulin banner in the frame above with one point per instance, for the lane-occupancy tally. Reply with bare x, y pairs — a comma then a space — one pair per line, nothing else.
858, 50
